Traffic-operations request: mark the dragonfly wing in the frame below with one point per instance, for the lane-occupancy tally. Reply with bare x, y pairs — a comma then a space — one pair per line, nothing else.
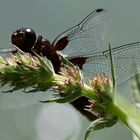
126, 60
87, 35
19, 99
6, 52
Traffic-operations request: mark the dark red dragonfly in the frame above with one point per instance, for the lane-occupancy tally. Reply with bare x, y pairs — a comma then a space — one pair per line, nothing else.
80, 45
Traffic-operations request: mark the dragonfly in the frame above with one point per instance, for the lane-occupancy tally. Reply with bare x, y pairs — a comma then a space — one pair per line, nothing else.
80, 45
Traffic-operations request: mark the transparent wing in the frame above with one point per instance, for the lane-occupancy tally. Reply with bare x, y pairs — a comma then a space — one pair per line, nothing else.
6, 52
18, 99
126, 62
87, 35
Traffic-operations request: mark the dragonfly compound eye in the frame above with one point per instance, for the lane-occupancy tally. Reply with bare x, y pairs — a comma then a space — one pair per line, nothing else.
24, 39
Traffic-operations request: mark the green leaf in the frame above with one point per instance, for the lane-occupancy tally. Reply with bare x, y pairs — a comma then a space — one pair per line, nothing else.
95, 125
112, 68
65, 99
99, 124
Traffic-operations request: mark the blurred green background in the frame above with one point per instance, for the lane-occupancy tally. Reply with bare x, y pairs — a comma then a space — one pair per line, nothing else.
49, 18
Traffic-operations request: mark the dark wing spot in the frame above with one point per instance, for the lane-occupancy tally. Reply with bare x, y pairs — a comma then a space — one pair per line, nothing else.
61, 44
78, 61
99, 10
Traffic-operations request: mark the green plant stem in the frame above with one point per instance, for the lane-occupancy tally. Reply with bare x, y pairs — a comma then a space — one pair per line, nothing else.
130, 121
126, 115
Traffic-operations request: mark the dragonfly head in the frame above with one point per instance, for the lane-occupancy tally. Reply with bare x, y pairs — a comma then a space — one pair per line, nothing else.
24, 39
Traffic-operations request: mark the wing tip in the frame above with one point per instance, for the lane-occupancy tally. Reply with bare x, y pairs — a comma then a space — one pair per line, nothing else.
99, 10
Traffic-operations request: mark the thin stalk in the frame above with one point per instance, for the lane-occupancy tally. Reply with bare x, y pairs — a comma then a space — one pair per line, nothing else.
130, 121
